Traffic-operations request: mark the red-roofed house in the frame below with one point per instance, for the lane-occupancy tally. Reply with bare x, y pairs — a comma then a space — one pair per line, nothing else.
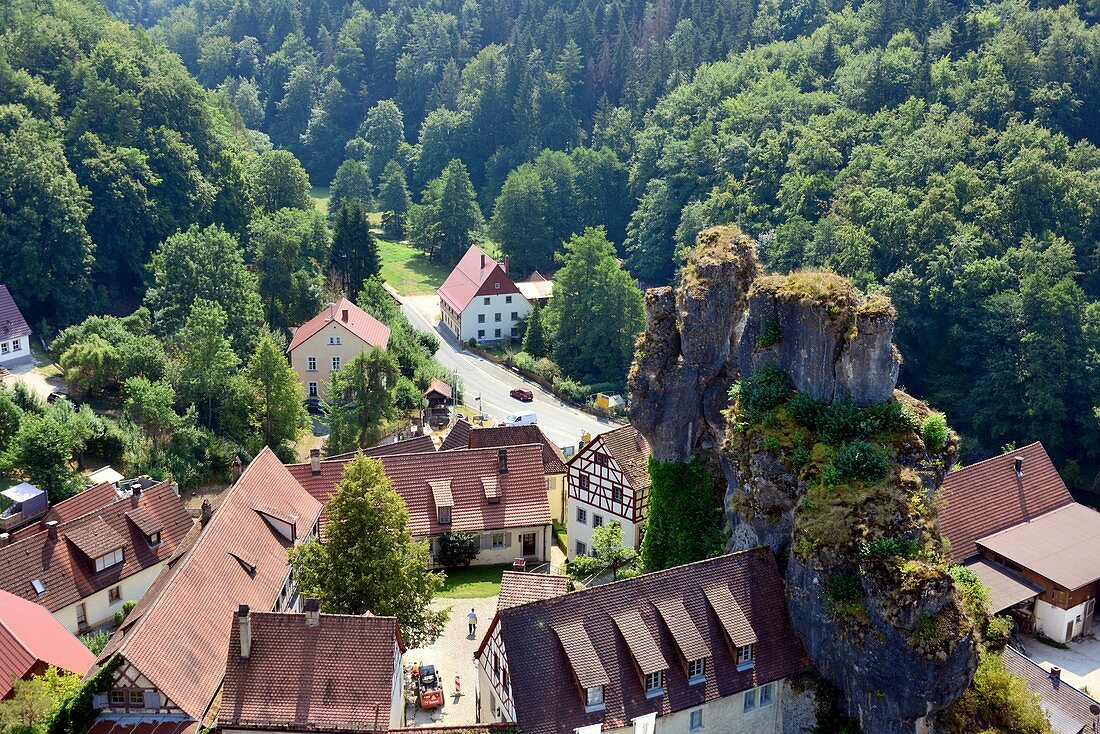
330, 339
174, 644
498, 494
706, 647
31, 640
103, 549
15, 333
1011, 520
312, 672
480, 301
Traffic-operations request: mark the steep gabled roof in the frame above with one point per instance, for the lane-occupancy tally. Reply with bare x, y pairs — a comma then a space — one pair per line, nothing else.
359, 322
65, 566
178, 636
522, 489
988, 497
547, 643
457, 437
336, 676
12, 323
1067, 707
520, 588
629, 449
414, 445
469, 278
29, 634
552, 460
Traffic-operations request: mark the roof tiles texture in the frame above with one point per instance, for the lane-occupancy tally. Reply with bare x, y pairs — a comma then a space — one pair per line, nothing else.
1067, 707
66, 565
336, 676
629, 449
537, 662
12, 323
358, 322
520, 588
987, 497
522, 489
29, 634
415, 445
1006, 588
457, 437
180, 634
500, 436
469, 275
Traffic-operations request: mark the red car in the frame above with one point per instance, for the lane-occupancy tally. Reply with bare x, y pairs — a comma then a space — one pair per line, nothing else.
522, 393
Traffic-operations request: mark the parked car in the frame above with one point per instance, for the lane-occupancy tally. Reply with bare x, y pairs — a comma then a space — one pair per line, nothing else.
57, 395
523, 394
521, 419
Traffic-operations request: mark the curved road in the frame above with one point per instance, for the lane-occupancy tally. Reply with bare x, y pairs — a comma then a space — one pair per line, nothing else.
561, 423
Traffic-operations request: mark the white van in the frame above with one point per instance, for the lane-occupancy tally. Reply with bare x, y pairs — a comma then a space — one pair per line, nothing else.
520, 419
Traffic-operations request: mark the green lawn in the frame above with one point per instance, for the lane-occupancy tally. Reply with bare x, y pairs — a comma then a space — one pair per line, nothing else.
476, 582
320, 198
408, 270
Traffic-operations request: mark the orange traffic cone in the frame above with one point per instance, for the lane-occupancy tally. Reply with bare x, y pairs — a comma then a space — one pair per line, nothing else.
458, 685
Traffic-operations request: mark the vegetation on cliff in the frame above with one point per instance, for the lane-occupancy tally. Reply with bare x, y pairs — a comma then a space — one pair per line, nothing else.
684, 521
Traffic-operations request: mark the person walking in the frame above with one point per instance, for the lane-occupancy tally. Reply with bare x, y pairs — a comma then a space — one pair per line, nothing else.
471, 618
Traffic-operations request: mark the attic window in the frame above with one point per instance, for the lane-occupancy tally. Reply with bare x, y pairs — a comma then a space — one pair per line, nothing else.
108, 560
492, 490
745, 657
655, 684
444, 501
444, 515
502, 461
39, 587
154, 539
593, 698
697, 671
248, 563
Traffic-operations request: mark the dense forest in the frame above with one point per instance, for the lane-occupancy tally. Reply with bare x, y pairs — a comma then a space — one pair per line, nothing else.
943, 153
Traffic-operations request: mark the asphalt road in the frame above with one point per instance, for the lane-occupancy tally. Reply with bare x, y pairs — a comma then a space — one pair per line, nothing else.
561, 423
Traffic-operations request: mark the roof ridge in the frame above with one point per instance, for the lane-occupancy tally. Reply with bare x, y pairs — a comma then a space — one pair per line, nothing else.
994, 458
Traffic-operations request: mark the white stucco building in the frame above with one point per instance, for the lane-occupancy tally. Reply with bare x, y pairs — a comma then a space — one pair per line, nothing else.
480, 301
15, 333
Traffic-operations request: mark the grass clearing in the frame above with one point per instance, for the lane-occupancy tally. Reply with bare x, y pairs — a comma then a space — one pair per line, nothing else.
408, 269
320, 195
475, 582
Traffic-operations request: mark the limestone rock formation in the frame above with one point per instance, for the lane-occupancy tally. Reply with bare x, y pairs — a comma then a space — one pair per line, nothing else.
843, 494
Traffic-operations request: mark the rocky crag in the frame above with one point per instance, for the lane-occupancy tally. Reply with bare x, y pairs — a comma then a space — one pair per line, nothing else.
788, 383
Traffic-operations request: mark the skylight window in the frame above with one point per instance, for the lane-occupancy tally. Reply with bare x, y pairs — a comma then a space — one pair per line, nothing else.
39, 587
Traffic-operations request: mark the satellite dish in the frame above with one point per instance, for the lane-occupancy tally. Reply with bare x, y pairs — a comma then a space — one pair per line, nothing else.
1094, 709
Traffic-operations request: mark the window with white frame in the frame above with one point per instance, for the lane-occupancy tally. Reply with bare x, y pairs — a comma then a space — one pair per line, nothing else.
118, 698
515, 316
481, 333
616, 494
594, 696
481, 318
584, 482
313, 389
497, 285
486, 301
695, 722
137, 698
654, 684
582, 516
335, 364
311, 364
507, 299
497, 332
750, 700
111, 559
496, 317
444, 515
16, 345
114, 595
334, 340
745, 655
766, 695
697, 670
498, 540
4, 348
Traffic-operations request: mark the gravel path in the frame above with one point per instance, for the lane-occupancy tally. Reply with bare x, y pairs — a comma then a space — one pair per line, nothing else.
453, 653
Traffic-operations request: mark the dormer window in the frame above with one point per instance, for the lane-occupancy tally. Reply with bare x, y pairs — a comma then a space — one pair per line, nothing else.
444, 515
697, 671
502, 461
745, 657
655, 684
154, 539
593, 698
109, 560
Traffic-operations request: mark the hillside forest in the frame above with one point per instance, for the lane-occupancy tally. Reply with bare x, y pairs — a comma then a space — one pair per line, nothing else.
943, 153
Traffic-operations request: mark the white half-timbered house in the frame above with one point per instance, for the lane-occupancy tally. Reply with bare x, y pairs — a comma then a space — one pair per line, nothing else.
608, 482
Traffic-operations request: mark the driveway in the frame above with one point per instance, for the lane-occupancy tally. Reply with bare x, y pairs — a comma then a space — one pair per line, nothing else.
562, 423
42, 380
1080, 664
453, 654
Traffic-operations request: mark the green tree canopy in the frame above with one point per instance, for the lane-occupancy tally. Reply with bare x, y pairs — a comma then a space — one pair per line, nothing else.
41, 452
203, 359
369, 562
354, 256
290, 249
361, 399
393, 199
277, 394
449, 220
352, 181
278, 181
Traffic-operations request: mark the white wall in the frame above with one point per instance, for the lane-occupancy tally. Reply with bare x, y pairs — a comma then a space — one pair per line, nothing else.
15, 354
497, 304
317, 346
512, 549
97, 607
723, 716
583, 532
1052, 621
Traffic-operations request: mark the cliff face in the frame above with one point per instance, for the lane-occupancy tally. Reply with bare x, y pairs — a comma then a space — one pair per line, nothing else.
823, 462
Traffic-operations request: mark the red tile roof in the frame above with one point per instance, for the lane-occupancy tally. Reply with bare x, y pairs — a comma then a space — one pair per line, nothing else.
12, 323
520, 588
152, 724
65, 566
337, 676
178, 636
29, 634
522, 490
469, 277
457, 437
629, 449
80, 504
537, 662
358, 322
553, 461
440, 387
415, 445
987, 497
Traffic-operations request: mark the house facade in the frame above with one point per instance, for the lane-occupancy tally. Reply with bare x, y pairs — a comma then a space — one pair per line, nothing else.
479, 300
1012, 521
703, 647
354, 682
498, 494
330, 340
608, 481
173, 646
105, 551
15, 333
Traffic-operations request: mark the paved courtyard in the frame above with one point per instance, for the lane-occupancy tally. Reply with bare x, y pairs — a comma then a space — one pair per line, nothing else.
41, 379
1080, 664
453, 653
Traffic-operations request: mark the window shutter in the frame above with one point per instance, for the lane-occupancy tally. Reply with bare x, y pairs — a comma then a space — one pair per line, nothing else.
486, 541
507, 540
152, 699
99, 700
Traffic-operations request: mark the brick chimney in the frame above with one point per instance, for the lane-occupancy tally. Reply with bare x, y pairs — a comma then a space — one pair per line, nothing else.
1018, 466
244, 619
206, 512
315, 461
1056, 674
51, 528
135, 494
313, 612
507, 264
483, 261
5, 538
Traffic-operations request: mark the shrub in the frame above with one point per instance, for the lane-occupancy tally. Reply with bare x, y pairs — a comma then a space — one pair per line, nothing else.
685, 516
456, 548
845, 592
799, 457
974, 595
547, 369
996, 701
96, 641
472, 341
569, 388
891, 547
934, 431
583, 566
764, 390
771, 443
891, 416
862, 461
998, 631
840, 421
806, 410
770, 334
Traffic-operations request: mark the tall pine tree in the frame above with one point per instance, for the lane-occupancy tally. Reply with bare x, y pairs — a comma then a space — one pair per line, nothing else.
354, 255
